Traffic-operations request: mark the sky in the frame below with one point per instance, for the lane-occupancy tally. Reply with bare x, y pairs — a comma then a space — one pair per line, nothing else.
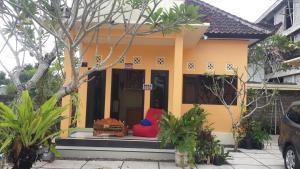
246, 9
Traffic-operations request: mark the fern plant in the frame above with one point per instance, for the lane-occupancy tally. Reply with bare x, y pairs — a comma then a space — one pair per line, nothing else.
23, 130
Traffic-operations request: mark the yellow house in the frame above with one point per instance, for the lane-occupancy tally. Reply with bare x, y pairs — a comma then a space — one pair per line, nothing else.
166, 72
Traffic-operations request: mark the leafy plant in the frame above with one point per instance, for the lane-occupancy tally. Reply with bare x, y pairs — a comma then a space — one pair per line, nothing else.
207, 145
258, 134
254, 131
23, 130
182, 132
220, 152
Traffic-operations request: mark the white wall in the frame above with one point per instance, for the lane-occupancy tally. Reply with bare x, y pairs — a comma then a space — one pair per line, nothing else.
255, 73
279, 17
296, 12
166, 4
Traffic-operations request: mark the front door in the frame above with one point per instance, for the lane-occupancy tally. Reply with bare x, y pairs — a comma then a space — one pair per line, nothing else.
160, 86
127, 95
95, 97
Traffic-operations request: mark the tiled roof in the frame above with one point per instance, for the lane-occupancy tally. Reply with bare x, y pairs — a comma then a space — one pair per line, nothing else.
226, 25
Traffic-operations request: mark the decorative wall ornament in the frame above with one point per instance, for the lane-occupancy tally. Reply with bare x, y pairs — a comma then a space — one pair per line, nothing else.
137, 60
160, 60
210, 66
122, 60
191, 66
229, 67
99, 59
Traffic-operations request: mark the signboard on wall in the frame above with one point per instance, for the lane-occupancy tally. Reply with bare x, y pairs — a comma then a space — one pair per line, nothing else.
128, 65
147, 86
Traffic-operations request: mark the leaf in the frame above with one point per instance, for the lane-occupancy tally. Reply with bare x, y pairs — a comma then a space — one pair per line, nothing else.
54, 150
5, 144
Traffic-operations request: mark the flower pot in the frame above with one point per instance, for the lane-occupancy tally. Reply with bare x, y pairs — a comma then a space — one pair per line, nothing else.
258, 146
246, 143
48, 156
218, 160
181, 159
198, 159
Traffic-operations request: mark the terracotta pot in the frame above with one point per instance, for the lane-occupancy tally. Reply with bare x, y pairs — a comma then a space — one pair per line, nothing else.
181, 159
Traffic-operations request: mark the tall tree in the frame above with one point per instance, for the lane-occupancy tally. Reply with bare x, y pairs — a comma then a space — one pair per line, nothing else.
30, 26
3, 79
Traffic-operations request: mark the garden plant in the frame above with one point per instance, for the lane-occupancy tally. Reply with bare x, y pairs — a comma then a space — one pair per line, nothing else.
24, 130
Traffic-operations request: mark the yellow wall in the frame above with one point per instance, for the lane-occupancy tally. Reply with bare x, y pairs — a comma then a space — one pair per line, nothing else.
218, 52
148, 54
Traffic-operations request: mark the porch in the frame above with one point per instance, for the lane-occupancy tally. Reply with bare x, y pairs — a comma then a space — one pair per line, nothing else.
83, 145
124, 91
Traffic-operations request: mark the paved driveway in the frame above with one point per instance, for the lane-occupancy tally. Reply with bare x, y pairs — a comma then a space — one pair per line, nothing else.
246, 159
269, 158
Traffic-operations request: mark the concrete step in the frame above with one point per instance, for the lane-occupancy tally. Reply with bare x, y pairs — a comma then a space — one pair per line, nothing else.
115, 153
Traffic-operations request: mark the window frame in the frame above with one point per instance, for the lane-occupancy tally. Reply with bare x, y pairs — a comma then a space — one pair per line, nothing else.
199, 90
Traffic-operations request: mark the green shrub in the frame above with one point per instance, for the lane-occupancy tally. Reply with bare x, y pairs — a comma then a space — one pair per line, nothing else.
182, 132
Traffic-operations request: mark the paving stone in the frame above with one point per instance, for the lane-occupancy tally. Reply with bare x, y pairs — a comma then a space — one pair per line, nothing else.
103, 165
253, 151
276, 167
39, 164
271, 161
65, 164
139, 165
168, 165
262, 156
238, 155
214, 167
273, 151
272, 147
243, 161
249, 167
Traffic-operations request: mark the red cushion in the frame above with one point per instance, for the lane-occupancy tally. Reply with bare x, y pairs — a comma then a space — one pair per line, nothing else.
144, 131
153, 115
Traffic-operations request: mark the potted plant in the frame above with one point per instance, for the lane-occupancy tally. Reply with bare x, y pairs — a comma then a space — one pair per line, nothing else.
182, 133
254, 135
23, 130
209, 150
204, 146
259, 136
220, 156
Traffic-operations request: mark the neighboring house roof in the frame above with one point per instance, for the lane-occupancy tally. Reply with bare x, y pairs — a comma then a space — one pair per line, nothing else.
226, 25
269, 15
269, 12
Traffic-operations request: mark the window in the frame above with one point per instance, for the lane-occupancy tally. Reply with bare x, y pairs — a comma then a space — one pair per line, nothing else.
289, 12
294, 114
195, 90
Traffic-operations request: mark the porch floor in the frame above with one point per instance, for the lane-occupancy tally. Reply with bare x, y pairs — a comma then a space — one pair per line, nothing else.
88, 134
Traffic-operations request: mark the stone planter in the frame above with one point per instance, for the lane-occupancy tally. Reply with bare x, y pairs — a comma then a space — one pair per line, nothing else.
181, 159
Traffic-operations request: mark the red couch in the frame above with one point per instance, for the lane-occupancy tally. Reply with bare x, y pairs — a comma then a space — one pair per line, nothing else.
154, 116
